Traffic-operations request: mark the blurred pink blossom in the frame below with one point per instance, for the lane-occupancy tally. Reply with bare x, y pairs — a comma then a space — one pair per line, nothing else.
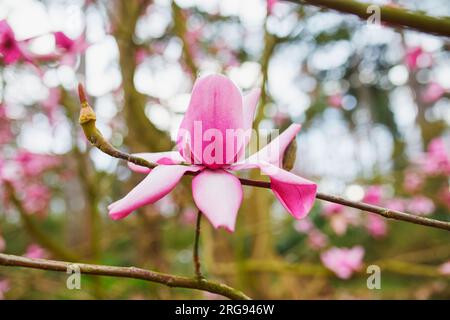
10, 49
141, 54
35, 251
412, 182
270, 5
317, 239
36, 198
396, 204
343, 261
280, 118
68, 49
4, 288
33, 164
304, 225
416, 58
445, 268
376, 226
339, 223
433, 92
335, 100
339, 218
330, 208
421, 205
373, 195
436, 160
189, 216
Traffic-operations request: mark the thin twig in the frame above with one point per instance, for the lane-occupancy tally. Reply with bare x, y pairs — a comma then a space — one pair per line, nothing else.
388, 14
197, 264
87, 121
125, 272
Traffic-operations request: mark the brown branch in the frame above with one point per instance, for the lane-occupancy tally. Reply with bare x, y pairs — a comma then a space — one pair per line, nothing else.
385, 212
87, 121
125, 272
388, 14
196, 257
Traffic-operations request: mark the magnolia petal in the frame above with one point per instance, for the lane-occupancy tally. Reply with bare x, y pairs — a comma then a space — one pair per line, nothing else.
244, 165
214, 109
218, 195
166, 158
274, 151
158, 183
250, 102
295, 193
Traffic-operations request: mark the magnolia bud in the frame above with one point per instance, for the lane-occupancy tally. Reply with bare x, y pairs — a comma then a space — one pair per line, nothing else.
86, 113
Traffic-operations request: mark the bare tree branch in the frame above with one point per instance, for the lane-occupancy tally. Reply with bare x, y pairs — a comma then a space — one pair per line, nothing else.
388, 14
125, 272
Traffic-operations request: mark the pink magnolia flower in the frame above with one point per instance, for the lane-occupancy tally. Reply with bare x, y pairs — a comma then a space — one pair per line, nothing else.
343, 261
35, 251
10, 49
4, 288
421, 205
433, 92
376, 226
210, 144
445, 268
68, 48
